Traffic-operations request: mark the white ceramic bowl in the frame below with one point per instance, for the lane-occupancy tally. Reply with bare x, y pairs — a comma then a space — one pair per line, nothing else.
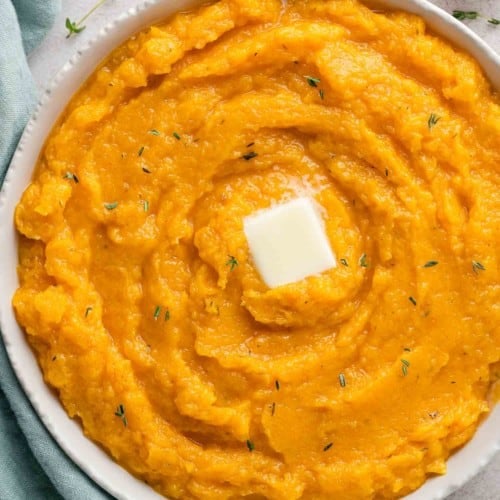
461, 466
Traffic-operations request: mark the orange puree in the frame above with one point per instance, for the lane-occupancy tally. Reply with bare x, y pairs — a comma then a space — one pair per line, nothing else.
143, 305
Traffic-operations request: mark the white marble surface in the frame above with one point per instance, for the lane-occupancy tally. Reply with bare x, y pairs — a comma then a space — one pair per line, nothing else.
56, 50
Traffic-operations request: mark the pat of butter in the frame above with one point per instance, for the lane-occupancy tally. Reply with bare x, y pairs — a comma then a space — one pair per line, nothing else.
288, 242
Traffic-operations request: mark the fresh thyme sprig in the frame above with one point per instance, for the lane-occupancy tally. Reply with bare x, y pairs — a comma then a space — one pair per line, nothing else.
77, 27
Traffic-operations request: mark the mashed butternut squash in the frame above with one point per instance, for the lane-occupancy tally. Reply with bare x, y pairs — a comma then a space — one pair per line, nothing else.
143, 305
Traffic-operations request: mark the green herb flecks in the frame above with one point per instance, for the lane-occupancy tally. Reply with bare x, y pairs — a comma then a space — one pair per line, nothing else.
321, 94
250, 445
404, 366
145, 170
363, 260
344, 262
461, 15
77, 27
177, 136
157, 312
231, 262
153, 131
312, 81
342, 381
432, 121
167, 315
494, 21
277, 385
477, 266
145, 205
71, 176
412, 300
250, 155
111, 206
273, 409
141, 150
327, 447
88, 311
431, 263
120, 412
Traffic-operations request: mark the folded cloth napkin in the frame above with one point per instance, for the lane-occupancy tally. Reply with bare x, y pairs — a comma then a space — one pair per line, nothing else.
32, 466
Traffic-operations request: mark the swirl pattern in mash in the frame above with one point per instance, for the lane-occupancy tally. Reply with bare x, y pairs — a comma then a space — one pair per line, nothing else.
356, 383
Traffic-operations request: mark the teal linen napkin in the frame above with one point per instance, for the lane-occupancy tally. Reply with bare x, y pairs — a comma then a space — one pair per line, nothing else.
32, 466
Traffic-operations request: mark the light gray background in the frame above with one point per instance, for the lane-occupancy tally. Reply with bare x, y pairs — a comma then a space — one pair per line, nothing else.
56, 50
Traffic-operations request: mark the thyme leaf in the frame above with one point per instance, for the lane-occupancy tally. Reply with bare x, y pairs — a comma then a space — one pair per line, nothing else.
157, 312
232, 262
477, 266
433, 119
465, 14
250, 155
120, 412
431, 263
363, 260
71, 176
312, 81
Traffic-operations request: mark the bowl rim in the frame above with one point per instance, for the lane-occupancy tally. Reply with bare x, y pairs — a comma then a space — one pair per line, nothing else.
91, 459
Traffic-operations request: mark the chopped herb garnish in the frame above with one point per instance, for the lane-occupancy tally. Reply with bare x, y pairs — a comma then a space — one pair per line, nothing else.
249, 156
141, 150
156, 314
71, 176
73, 27
88, 311
273, 409
431, 263
250, 144
111, 206
433, 119
145, 205
386, 172
342, 380
328, 446
407, 349
167, 315
404, 366
465, 14
120, 412
177, 136
153, 131
344, 262
477, 266
54, 358
231, 262
321, 94
77, 27
145, 170
412, 300
277, 384
363, 260
313, 82
494, 21
250, 445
